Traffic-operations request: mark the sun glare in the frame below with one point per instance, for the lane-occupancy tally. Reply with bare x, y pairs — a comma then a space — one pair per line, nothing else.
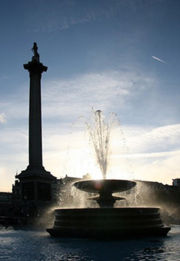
81, 164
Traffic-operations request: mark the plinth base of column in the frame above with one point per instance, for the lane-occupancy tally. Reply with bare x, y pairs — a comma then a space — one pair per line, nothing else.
38, 172
36, 185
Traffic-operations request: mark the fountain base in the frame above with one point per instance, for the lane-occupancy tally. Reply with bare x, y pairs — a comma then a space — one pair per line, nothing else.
108, 223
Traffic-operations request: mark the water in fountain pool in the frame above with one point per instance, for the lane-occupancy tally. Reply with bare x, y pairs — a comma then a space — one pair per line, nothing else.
19, 245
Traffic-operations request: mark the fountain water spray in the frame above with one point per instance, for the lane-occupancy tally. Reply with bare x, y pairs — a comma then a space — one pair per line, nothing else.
100, 135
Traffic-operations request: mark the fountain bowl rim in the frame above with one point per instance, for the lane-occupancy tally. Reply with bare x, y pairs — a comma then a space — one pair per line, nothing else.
98, 185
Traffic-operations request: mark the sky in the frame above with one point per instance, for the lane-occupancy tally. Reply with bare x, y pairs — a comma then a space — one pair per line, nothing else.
118, 56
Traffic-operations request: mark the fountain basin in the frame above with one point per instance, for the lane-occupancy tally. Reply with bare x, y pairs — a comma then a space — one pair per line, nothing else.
108, 223
104, 185
105, 188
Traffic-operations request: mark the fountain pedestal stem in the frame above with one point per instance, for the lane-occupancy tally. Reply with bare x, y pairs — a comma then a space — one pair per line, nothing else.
106, 200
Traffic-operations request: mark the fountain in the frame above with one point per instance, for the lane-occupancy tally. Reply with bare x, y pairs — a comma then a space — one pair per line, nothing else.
106, 221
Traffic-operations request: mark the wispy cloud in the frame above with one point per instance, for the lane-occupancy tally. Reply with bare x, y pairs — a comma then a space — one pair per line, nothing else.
2, 118
146, 153
163, 154
162, 169
158, 59
68, 14
141, 140
107, 91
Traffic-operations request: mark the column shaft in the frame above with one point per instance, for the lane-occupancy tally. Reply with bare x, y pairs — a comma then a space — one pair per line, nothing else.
35, 130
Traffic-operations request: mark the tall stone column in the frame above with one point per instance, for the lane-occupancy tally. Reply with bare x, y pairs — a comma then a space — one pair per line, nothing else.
35, 181
35, 69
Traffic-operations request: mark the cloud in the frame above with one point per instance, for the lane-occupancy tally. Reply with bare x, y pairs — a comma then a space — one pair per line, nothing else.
160, 154
147, 153
107, 91
141, 140
158, 59
62, 18
69, 98
2, 118
68, 14
162, 169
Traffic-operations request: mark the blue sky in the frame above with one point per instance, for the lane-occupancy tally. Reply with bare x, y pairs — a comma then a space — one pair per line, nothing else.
120, 56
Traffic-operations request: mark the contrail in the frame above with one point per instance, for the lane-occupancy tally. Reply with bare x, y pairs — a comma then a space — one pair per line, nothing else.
158, 59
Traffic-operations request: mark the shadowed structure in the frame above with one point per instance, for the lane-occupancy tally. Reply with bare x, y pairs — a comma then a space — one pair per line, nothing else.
107, 222
35, 181
105, 188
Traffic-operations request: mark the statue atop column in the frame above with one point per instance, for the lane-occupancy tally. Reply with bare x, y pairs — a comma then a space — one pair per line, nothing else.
36, 54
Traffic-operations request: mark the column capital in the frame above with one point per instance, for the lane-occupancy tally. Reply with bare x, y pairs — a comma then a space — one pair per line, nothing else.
35, 67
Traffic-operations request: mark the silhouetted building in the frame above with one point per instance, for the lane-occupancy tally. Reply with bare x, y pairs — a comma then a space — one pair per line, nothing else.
176, 182
5, 203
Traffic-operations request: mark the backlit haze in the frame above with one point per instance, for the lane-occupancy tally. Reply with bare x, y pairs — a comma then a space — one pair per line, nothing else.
118, 56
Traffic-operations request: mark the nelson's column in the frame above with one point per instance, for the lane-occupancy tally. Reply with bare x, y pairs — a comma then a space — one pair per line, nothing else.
35, 183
